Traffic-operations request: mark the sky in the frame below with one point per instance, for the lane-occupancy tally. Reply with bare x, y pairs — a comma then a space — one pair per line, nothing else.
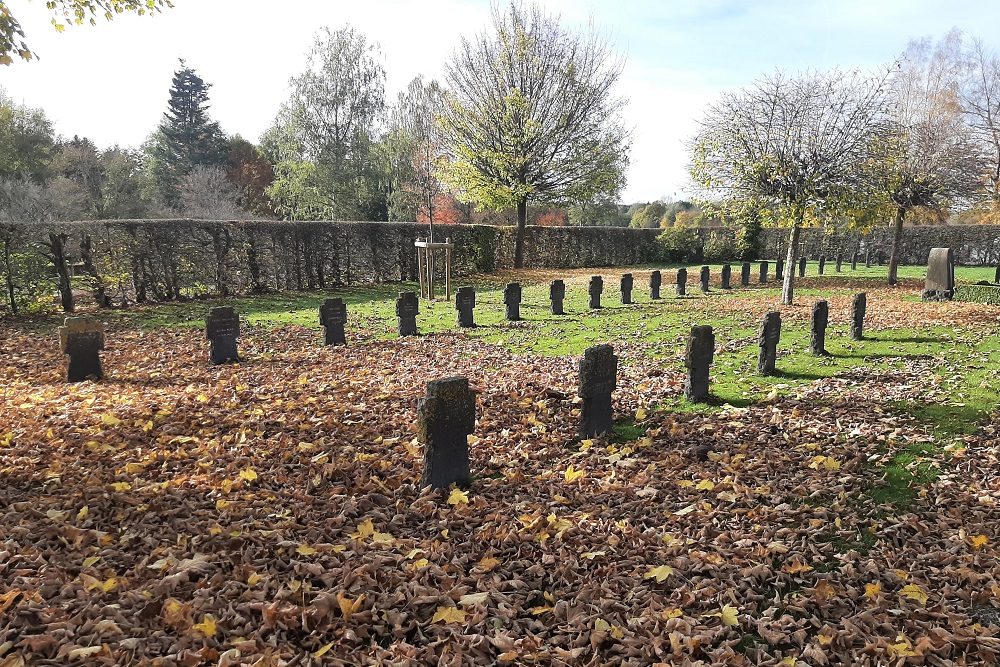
110, 82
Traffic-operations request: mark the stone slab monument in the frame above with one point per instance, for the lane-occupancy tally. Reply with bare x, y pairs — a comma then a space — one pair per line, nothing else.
512, 301
940, 283
745, 274
446, 417
82, 339
858, 309
822, 265
557, 294
598, 379
594, 289
333, 317
626, 287
779, 269
407, 309
817, 328
802, 267
763, 272
222, 328
465, 304
682, 281
726, 276
770, 336
698, 359
655, 281
705, 278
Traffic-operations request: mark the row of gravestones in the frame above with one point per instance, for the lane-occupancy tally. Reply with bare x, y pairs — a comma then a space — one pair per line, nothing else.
446, 415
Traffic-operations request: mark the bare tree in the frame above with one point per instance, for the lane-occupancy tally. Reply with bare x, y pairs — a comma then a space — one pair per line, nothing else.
796, 144
532, 115
981, 101
207, 194
926, 154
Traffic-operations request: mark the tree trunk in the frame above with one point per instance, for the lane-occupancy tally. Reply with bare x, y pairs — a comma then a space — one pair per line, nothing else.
897, 236
788, 287
9, 276
57, 245
522, 221
87, 257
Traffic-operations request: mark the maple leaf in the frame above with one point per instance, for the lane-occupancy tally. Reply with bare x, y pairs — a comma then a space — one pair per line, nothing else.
349, 607
488, 563
458, 497
364, 529
448, 615
873, 591
914, 592
571, 474
305, 550
248, 474
977, 542
901, 649
207, 627
659, 573
729, 615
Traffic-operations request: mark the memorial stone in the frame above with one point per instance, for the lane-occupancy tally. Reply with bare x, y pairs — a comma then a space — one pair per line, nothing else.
817, 328
333, 317
770, 335
446, 417
222, 328
940, 283
727, 276
858, 309
598, 378
682, 279
557, 294
82, 339
626, 287
512, 301
465, 304
595, 288
655, 280
705, 278
407, 308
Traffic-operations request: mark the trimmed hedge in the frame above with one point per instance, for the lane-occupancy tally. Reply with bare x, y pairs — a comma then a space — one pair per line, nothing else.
978, 294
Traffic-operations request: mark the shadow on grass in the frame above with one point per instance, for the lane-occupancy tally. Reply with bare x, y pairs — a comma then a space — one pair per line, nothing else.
797, 375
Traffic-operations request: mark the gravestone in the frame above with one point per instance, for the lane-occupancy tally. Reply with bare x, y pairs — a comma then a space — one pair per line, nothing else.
868, 259
698, 359
446, 417
465, 304
840, 262
512, 301
626, 288
802, 267
557, 294
822, 264
858, 309
817, 328
727, 276
763, 273
333, 317
770, 334
745, 274
880, 258
655, 280
598, 378
595, 288
940, 283
407, 308
705, 278
854, 262
996, 278
82, 339
222, 328
779, 270
682, 280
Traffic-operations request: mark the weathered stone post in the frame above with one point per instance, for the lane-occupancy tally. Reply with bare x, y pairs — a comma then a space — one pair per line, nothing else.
779, 270
817, 329
557, 294
446, 416
822, 264
940, 283
727, 276
996, 278
512, 301
868, 259
802, 267
407, 308
626, 288
682, 280
465, 304
858, 309
82, 339
763, 272
594, 289
770, 335
698, 359
854, 262
222, 328
705, 278
598, 378
745, 274
333, 317
655, 280
840, 262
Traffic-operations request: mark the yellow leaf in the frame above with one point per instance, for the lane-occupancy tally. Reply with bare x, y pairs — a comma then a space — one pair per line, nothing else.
222, 504
914, 592
349, 607
364, 529
448, 615
640, 414
673, 612
207, 627
174, 611
121, 486
979, 541
55, 515
422, 562
586, 444
729, 616
87, 562
488, 563
382, 538
901, 649
571, 475
795, 566
659, 573
538, 611
134, 468
873, 591
323, 651
83, 652
591, 555
249, 474
305, 550
601, 625
110, 420
458, 497
254, 579
705, 485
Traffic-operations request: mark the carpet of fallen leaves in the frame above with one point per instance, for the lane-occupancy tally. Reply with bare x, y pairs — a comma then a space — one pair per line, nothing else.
269, 513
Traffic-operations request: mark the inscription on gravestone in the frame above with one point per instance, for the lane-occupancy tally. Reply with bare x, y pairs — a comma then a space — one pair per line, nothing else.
82, 339
802, 268
222, 328
682, 280
858, 309
705, 278
655, 280
770, 335
333, 317
557, 294
465, 304
626, 288
446, 416
727, 276
598, 379
817, 328
512, 301
763, 272
698, 359
594, 289
407, 309
940, 283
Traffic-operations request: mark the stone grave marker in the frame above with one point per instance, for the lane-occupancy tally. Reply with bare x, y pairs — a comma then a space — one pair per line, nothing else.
770, 335
745, 274
822, 265
222, 328
868, 259
333, 317
698, 359
779, 269
594, 289
82, 339
682, 279
854, 261
802, 267
465, 304
705, 279
763, 272
407, 308
655, 280
858, 309
727, 276
940, 283
446, 417
626, 288
557, 294
598, 379
996, 278
840, 262
817, 328
512, 301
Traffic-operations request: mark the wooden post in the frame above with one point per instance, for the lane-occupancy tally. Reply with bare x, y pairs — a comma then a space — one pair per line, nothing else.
447, 268
420, 267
